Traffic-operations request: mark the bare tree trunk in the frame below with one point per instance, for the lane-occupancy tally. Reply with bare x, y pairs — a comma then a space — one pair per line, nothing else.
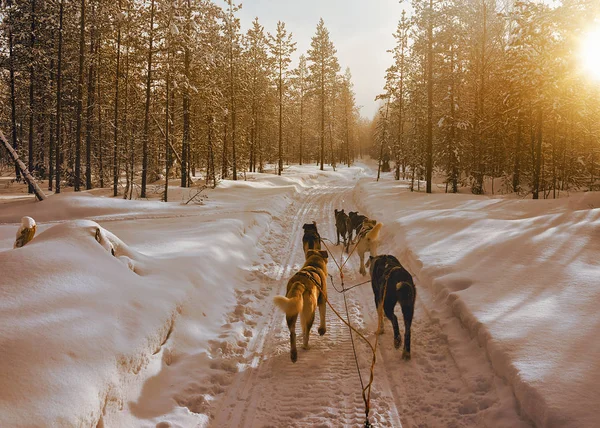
100, 140
91, 93
232, 100
58, 97
384, 138
516, 181
31, 90
52, 130
167, 112
429, 150
322, 113
301, 123
538, 155
80, 98
147, 110
116, 115
13, 108
185, 147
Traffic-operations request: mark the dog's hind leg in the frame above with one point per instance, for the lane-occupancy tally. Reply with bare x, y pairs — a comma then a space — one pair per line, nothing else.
291, 322
322, 311
306, 330
307, 319
407, 302
389, 313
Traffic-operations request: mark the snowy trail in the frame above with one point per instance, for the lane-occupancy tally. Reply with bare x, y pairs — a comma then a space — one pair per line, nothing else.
435, 389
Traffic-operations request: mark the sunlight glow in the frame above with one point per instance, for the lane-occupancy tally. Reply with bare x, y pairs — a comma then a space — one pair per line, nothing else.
590, 53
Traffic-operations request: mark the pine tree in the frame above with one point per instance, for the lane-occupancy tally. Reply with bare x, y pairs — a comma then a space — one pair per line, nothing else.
323, 70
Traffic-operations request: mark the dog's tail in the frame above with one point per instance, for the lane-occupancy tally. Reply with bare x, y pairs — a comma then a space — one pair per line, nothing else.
290, 305
373, 234
405, 290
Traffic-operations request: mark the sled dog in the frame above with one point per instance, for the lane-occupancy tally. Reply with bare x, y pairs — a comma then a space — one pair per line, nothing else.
367, 241
356, 221
388, 274
306, 290
311, 239
342, 226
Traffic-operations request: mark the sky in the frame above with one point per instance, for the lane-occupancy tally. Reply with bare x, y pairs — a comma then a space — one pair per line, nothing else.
361, 31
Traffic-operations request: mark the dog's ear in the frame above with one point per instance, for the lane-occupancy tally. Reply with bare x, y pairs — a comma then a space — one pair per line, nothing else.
305, 226
315, 223
335, 210
324, 254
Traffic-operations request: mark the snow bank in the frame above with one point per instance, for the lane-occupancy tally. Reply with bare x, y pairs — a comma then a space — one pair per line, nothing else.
86, 335
521, 275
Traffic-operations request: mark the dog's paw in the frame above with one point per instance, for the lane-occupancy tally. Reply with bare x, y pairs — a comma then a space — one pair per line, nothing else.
322, 331
362, 271
405, 355
294, 355
380, 331
398, 342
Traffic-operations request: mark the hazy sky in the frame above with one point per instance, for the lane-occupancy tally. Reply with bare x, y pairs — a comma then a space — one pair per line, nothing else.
361, 31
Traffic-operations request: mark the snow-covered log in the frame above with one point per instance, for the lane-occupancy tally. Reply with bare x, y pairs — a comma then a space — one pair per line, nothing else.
39, 194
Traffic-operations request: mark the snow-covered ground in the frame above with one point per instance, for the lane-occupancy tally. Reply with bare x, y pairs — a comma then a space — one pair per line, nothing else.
179, 329
522, 278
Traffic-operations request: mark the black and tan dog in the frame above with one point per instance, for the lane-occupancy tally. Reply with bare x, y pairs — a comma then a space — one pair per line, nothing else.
356, 222
342, 226
311, 240
388, 274
306, 290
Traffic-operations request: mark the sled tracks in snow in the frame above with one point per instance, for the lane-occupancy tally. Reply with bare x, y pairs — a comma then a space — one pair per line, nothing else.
322, 388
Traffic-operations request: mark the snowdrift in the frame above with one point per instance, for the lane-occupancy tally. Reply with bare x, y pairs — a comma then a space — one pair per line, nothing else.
521, 275
90, 338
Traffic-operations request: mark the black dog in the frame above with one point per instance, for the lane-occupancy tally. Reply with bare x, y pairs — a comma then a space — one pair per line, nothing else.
311, 239
388, 274
342, 225
356, 222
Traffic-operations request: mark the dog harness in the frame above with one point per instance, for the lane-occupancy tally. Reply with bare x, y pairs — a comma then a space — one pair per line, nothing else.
364, 230
307, 273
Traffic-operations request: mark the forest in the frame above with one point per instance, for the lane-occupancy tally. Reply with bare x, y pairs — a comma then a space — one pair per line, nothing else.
126, 93
485, 95
480, 90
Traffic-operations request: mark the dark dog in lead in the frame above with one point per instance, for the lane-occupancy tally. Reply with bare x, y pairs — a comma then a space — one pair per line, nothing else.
342, 226
388, 274
311, 239
356, 222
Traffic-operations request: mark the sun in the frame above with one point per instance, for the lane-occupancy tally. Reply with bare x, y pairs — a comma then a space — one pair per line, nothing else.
590, 53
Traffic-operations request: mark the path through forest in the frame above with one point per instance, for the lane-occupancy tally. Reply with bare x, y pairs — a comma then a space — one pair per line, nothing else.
435, 389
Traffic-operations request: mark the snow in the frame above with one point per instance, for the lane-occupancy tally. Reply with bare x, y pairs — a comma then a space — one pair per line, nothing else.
520, 275
79, 325
178, 328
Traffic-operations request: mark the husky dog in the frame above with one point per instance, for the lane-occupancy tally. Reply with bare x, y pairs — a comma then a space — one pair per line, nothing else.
311, 239
356, 221
26, 232
367, 241
342, 225
306, 290
388, 274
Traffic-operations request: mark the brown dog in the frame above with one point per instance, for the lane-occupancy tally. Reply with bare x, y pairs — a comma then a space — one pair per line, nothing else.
306, 290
